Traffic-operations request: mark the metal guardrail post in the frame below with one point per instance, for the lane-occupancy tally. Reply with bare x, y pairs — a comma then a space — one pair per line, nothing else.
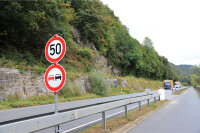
140, 107
155, 100
159, 98
104, 120
148, 102
126, 110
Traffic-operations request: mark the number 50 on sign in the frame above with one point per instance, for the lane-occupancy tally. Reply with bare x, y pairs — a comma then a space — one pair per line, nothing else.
55, 49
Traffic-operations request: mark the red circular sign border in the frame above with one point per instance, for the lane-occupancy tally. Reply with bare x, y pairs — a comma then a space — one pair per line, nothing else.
63, 81
63, 52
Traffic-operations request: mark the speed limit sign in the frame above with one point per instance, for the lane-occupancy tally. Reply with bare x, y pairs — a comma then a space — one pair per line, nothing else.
55, 49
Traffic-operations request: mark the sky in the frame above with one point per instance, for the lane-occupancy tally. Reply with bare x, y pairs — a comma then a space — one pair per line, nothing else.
172, 25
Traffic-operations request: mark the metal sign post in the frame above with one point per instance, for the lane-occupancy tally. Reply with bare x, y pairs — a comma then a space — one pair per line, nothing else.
56, 102
56, 97
55, 75
116, 86
57, 128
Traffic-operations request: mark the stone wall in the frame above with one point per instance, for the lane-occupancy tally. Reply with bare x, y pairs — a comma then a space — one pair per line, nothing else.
25, 84
28, 84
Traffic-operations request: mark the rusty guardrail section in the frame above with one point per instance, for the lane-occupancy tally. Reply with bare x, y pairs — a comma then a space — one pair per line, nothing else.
40, 123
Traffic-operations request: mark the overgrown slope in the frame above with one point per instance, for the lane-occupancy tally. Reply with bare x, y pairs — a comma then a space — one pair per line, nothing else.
26, 26
184, 72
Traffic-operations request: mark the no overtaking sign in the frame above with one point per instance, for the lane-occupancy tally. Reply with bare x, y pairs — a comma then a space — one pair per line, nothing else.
55, 78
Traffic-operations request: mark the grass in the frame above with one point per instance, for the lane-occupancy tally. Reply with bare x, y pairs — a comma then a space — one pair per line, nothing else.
14, 102
117, 91
181, 91
198, 91
136, 83
120, 121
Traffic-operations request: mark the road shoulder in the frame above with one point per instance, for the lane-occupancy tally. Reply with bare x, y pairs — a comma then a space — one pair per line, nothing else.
134, 123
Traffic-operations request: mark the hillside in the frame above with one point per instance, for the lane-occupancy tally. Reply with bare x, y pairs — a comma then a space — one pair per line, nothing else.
26, 27
185, 69
184, 72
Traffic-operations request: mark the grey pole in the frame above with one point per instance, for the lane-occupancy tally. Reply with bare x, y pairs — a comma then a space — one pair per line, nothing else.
104, 120
148, 102
56, 102
57, 128
140, 108
126, 110
155, 100
116, 86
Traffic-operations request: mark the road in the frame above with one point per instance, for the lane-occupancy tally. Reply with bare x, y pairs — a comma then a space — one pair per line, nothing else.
182, 115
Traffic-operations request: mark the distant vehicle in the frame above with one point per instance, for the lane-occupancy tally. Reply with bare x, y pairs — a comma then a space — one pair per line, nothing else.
177, 84
168, 84
58, 76
51, 77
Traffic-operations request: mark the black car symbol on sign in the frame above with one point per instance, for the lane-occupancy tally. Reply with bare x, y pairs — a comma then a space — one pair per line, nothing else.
58, 76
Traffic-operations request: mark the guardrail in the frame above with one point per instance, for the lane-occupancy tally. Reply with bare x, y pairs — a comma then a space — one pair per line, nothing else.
44, 110
179, 89
40, 123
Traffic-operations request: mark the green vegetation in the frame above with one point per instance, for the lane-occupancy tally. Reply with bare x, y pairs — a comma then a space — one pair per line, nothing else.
184, 73
195, 78
14, 101
26, 26
98, 83
69, 91
135, 83
181, 91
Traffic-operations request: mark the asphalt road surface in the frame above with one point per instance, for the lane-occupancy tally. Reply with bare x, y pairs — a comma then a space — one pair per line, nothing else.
182, 115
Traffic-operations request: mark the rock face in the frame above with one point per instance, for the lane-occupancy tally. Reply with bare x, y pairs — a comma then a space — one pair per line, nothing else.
111, 83
82, 83
27, 84
100, 61
123, 83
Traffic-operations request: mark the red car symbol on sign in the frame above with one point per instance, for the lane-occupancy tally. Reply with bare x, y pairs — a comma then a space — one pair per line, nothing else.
51, 77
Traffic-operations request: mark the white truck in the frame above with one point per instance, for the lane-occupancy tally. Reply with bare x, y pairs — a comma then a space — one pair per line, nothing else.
177, 84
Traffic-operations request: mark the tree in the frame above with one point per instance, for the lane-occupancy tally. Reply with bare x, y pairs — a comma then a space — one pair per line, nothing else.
148, 43
195, 78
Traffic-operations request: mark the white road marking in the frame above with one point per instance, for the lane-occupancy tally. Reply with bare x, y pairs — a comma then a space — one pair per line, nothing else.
81, 126
99, 119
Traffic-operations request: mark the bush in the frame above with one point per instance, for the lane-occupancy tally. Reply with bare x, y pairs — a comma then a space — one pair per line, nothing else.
98, 82
13, 97
86, 53
71, 91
